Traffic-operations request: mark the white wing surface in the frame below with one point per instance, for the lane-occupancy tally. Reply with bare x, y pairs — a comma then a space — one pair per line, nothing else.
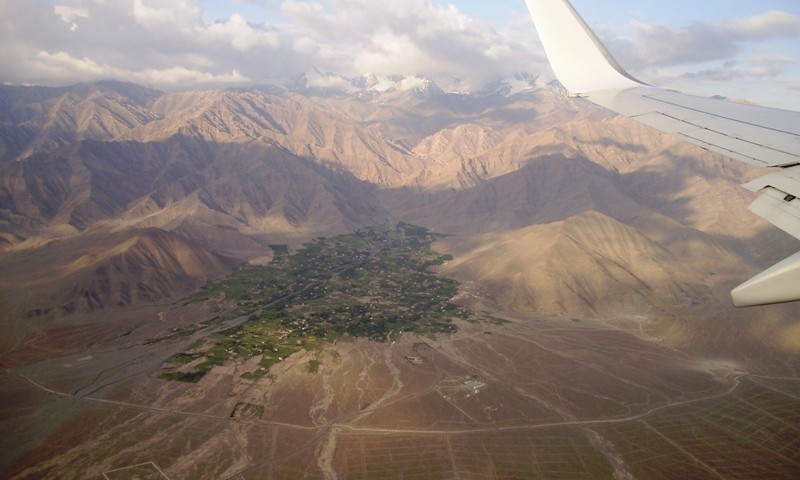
759, 136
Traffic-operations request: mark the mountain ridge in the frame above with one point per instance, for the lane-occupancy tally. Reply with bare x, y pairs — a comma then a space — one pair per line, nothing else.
229, 172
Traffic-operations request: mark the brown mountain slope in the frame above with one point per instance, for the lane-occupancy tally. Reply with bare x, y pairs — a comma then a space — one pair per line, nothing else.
589, 264
35, 119
248, 188
592, 266
98, 270
681, 197
547, 188
231, 171
301, 125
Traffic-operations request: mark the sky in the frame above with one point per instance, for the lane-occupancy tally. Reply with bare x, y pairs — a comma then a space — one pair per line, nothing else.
742, 49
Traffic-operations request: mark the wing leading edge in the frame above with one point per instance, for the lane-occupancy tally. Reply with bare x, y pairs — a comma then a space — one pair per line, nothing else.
759, 136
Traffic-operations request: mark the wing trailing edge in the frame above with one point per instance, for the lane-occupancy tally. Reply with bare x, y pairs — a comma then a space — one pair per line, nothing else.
759, 136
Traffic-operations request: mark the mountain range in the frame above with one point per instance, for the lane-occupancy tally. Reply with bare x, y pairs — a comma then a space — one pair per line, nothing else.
115, 196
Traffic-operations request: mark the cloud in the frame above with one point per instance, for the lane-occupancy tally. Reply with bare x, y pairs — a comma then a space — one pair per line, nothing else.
168, 44
154, 13
654, 45
389, 53
62, 64
165, 44
70, 14
772, 24
731, 58
316, 79
241, 35
56, 42
410, 37
664, 46
65, 66
182, 76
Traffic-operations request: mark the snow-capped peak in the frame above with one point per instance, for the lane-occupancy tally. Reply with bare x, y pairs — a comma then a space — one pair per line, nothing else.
517, 83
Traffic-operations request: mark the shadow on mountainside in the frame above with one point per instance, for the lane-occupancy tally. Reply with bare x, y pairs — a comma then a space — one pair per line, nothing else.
119, 224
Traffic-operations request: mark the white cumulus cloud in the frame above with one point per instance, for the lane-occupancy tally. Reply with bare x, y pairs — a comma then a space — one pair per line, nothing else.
167, 43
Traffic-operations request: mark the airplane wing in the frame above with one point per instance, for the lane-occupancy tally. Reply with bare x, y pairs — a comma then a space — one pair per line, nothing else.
760, 136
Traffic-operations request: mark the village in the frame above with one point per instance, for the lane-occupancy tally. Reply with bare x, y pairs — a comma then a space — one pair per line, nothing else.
373, 284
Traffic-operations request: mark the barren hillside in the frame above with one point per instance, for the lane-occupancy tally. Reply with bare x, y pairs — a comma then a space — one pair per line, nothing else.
553, 205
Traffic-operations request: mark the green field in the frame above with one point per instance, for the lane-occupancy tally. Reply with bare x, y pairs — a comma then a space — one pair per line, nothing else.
373, 284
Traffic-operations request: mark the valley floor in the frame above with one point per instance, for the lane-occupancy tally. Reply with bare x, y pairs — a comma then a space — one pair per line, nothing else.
532, 398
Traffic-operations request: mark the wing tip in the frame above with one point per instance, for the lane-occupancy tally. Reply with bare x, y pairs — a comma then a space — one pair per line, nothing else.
778, 284
579, 59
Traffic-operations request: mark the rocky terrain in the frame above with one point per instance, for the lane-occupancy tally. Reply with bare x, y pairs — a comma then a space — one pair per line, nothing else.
118, 201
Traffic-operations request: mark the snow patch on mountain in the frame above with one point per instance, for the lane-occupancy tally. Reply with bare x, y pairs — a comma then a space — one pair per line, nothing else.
371, 85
